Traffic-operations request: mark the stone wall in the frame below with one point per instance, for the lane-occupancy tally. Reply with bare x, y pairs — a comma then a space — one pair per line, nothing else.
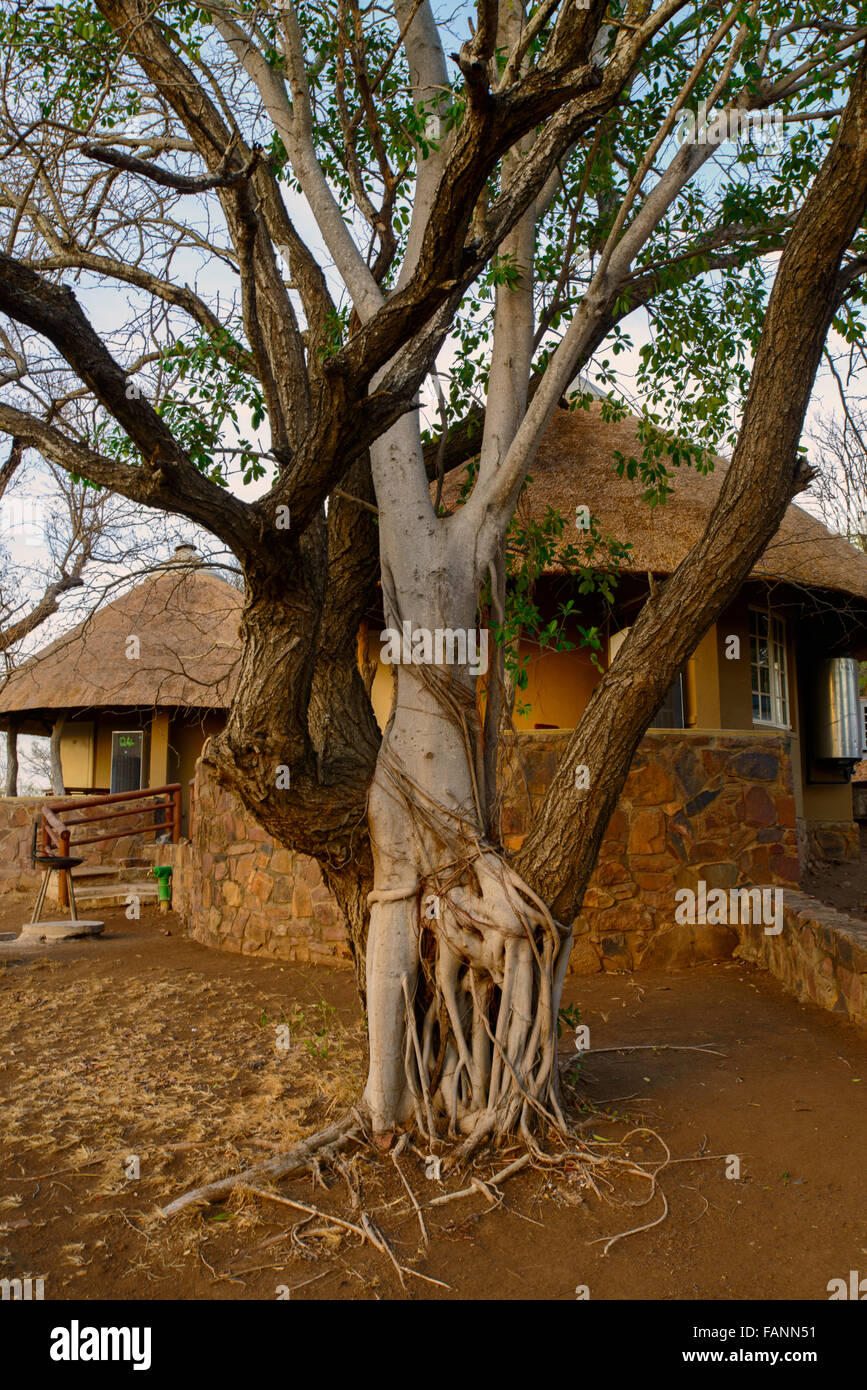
859, 791
17, 814
717, 807
235, 889
821, 954
829, 841
696, 806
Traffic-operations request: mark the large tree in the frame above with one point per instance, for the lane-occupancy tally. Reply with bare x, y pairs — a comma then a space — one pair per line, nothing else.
304, 211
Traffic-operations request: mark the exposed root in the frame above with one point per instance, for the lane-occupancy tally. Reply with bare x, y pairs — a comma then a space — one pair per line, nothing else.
600, 1168
326, 1144
463, 1013
481, 1009
476, 1185
654, 1188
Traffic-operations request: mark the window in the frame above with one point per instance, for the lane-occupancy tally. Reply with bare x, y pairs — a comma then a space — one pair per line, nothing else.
770, 684
670, 712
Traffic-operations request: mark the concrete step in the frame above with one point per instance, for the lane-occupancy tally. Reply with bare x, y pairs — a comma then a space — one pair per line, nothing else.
65, 930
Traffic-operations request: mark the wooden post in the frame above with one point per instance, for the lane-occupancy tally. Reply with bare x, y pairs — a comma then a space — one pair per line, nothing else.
11, 761
56, 764
63, 887
176, 816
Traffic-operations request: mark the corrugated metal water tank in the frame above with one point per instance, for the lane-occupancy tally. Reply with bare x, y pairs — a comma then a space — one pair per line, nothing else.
837, 710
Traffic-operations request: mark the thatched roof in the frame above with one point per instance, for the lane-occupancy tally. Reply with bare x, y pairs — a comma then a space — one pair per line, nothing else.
575, 467
186, 620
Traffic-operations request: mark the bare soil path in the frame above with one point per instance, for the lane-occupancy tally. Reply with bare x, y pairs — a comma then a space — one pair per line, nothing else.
147, 1053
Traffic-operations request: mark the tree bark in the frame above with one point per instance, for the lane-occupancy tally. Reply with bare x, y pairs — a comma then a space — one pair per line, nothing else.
11, 761
300, 702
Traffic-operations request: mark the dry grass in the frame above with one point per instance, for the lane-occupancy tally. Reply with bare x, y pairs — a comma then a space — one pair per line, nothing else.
183, 1073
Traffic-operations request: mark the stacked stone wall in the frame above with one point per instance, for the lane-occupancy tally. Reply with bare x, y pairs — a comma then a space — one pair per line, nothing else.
712, 807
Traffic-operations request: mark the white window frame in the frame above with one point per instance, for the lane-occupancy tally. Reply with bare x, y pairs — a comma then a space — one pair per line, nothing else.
777, 669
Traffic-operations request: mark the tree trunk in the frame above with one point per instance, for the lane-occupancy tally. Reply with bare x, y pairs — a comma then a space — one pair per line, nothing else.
11, 762
464, 963
56, 765
300, 702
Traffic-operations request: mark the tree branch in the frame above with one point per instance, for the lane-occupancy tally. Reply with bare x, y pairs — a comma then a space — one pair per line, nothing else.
181, 183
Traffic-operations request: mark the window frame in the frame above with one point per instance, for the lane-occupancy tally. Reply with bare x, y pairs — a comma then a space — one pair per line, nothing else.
778, 692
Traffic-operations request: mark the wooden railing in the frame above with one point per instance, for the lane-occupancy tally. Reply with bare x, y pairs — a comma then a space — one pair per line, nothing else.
57, 831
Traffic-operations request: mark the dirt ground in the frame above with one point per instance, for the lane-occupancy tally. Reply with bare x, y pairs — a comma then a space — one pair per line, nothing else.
842, 883
146, 1046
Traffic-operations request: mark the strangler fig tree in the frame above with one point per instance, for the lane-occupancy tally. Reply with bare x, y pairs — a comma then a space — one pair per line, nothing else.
298, 217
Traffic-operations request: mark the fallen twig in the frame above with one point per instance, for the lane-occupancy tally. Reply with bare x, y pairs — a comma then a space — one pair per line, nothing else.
368, 1231
651, 1047
412, 1198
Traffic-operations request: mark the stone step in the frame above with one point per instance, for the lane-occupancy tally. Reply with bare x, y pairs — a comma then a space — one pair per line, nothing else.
106, 884
108, 895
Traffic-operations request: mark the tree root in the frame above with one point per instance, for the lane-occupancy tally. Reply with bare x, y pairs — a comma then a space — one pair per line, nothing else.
480, 1012
596, 1169
368, 1231
326, 1144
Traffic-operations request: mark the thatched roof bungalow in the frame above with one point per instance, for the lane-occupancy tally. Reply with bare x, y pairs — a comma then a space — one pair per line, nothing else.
135, 689
803, 608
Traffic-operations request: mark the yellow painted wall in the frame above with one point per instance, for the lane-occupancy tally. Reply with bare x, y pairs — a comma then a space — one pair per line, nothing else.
76, 754
702, 685
186, 739
559, 684
735, 695
830, 802
102, 759
158, 766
